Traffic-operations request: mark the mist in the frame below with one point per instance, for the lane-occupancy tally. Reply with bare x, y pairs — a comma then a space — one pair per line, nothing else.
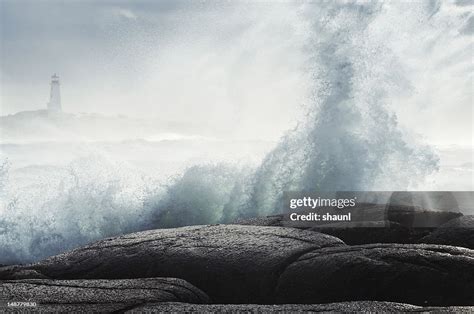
182, 113
237, 70
156, 61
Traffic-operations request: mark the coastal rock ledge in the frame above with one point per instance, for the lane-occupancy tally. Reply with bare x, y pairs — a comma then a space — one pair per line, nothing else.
98, 294
244, 264
231, 263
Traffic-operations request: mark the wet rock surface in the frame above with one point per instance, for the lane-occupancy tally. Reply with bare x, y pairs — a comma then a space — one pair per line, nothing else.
101, 291
231, 263
415, 274
244, 265
371, 231
177, 307
457, 232
70, 308
390, 232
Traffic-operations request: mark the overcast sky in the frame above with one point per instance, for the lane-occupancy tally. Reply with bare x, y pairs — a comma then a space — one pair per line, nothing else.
237, 66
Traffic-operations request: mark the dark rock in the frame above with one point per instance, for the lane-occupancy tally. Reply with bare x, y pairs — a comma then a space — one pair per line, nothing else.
418, 218
16, 272
268, 221
266, 265
415, 273
231, 263
377, 232
432, 200
97, 292
422, 209
457, 232
68, 308
177, 307
352, 234
343, 307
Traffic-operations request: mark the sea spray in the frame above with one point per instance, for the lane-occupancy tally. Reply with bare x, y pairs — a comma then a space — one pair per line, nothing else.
56, 209
61, 208
350, 140
204, 194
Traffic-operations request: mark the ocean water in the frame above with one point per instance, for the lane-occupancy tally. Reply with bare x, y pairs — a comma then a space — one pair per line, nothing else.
57, 195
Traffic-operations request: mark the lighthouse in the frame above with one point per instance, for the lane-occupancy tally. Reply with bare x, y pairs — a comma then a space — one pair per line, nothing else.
55, 96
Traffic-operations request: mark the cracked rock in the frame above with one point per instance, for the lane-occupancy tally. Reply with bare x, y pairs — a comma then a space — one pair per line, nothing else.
456, 232
418, 274
231, 263
101, 291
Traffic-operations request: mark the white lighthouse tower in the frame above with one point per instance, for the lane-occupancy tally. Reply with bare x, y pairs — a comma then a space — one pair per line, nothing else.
55, 96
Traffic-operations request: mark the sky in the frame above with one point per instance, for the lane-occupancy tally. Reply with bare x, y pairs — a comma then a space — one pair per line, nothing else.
184, 61
239, 67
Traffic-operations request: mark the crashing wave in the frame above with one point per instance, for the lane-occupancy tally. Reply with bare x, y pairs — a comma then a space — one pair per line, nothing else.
350, 140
